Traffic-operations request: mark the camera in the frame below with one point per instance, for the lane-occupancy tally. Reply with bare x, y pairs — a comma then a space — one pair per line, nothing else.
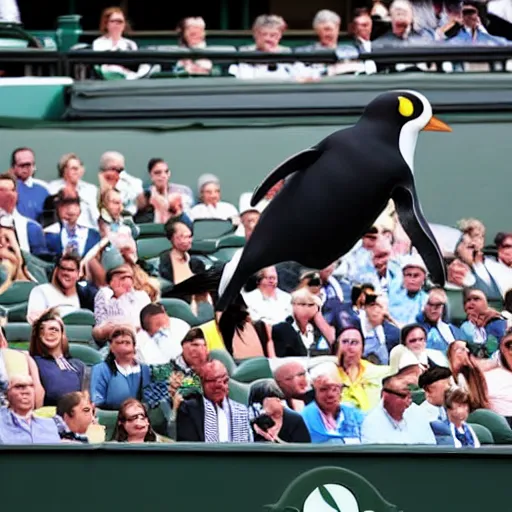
264, 422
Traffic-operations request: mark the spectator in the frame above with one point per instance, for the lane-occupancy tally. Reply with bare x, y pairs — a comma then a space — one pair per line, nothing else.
113, 175
163, 200
68, 235
192, 35
266, 407
249, 217
111, 221
18, 424
267, 302
120, 376
213, 418
292, 378
160, 338
32, 193
406, 303
380, 335
457, 404
176, 264
211, 207
29, 233
60, 373
305, 331
65, 293
439, 333
394, 421
71, 171
361, 379
328, 420
243, 337
503, 242
435, 382
361, 30
112, 25
75, 415
133, 424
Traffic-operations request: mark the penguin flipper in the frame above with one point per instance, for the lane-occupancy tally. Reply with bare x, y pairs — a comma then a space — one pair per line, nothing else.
417, 228
206, 281
297, 162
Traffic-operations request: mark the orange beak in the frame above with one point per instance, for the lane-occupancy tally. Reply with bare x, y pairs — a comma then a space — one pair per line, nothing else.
436, 125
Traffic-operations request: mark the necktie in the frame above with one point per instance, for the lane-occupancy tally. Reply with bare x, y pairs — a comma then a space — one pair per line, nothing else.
72, 245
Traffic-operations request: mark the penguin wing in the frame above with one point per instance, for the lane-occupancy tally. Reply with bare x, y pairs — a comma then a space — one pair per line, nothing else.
417, 228
297, 162
206, 281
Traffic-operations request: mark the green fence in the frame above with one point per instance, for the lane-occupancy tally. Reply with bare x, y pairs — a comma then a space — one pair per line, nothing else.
233, 479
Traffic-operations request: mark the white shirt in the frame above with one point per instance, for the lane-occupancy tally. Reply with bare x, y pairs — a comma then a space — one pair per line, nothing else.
88, 201
433, 412
414, 428
20, 225
130, 370
9, 11
130, 188
163, 345
105, 44
46, 296
270, 310
308, 338
221, 210
281, 72
30, 181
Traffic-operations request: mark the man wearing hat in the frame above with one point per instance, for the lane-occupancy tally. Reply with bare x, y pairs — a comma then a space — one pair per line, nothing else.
406, 303
211, 207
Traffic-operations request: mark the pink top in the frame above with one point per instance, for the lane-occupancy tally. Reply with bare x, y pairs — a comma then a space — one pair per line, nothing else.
499, 384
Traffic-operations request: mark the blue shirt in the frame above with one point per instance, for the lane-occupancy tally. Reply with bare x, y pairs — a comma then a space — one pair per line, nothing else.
16, 430
348, 425
404, 308
31, 199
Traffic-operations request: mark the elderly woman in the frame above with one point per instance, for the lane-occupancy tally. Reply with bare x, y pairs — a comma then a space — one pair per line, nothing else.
192, 35
305, 331
272, 421
468, 374
133, 424
59, 373
499, 380
113, 24
458, 407
120, 376
211, 207
439, 333
267, 302
361, 379
327, 418
71, 171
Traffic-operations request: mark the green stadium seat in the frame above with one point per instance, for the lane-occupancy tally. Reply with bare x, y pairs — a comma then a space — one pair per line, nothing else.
177, 308
239, 391
151, 230
231, 241
483, 434
85, 353
456, 306
19, 345
204, 246
224, 357
79, 317
108, 419
17, 293
17, 313
207, 229
152, 247
224, 254
418, 396
79, 333
16, 332
252, 369
496, 424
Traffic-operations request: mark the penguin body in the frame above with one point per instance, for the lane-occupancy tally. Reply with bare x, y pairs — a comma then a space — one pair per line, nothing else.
336, 190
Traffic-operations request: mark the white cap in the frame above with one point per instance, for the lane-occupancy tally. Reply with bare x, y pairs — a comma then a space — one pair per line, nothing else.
414, 260
204, 179
245, 204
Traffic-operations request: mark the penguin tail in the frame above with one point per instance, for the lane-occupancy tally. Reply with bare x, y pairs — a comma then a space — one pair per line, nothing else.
231, 282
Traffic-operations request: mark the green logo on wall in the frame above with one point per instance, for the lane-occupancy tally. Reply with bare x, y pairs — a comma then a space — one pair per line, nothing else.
331, 489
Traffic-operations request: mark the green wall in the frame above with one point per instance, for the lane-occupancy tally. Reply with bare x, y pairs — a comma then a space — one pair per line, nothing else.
230, 479
458, 174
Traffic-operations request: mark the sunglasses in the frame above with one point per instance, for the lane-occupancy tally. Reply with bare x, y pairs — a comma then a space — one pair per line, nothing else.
435, 304
400, 394
508, 345
117, 169
135, 417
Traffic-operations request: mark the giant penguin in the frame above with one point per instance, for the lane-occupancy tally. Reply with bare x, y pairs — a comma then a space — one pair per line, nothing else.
335, 191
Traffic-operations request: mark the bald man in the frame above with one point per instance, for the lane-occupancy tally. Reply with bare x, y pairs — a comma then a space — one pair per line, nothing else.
18, 425
214, 417
292, 378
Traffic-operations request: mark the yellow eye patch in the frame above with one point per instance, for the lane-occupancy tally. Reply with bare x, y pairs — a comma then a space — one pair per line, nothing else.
405, 107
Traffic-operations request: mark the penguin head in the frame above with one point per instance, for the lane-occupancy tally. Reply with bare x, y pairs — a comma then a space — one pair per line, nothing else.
410, 112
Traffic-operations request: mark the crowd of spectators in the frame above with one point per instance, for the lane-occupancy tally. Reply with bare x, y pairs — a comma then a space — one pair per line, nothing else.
367, 350
400, 23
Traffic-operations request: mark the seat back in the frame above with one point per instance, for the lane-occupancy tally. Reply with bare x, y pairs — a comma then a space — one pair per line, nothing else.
108, 419
483, 434
79, 317
17, 293
151, 247
252, 369
224, 357
239, 391
212, 228
456, 306
177, 308
496, 424
85, 353
151, 230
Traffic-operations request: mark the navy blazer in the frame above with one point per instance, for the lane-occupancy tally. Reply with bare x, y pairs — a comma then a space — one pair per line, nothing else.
54, 241
36, 238
392, 333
